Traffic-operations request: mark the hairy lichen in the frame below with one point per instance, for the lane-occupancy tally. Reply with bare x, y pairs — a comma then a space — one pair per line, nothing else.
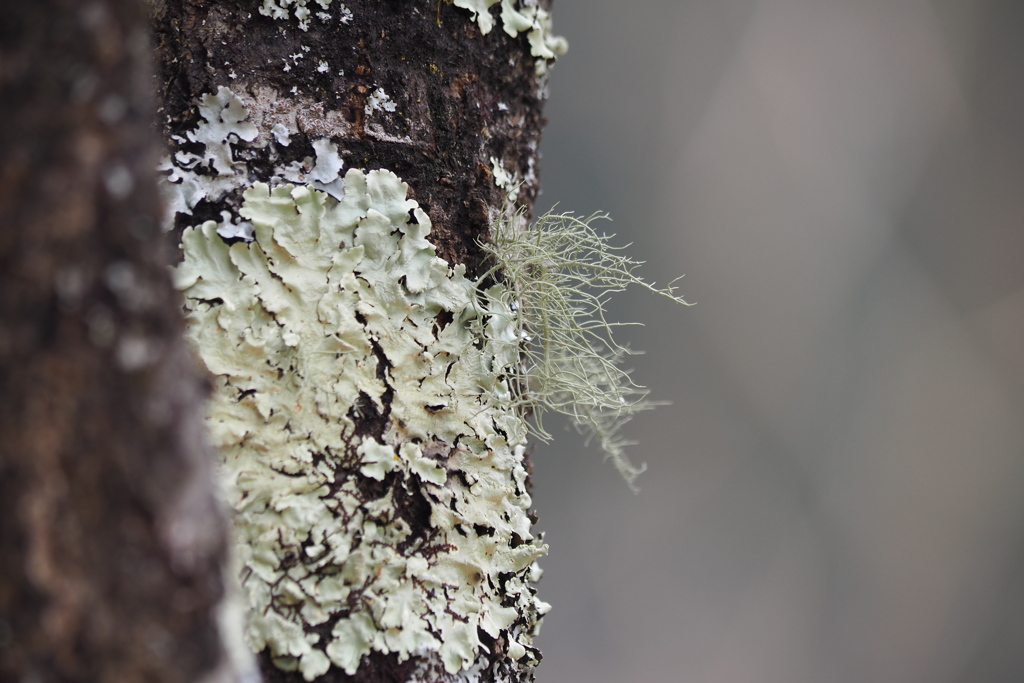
365, 419
557, 280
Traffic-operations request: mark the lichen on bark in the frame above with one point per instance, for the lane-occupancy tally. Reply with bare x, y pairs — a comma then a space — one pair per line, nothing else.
410, 537
362, 403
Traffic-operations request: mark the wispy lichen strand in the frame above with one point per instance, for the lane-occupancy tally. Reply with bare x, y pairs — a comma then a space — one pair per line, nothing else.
369, 446
557, 278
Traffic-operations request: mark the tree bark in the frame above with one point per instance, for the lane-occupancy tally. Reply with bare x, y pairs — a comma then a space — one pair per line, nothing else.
278, 111
111, 539
461, 99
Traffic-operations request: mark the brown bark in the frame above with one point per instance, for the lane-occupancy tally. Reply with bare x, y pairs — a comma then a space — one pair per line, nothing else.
111, 542
446, 78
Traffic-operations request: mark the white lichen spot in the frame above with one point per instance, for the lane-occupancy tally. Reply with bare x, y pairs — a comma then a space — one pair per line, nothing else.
273, 10
323, 67
529, 17
224, 120
379, 100
278, 9
326, 174
481, 15
231, 229
296, 171
224, 123
508, 182
281, 134
339, 309
376, 131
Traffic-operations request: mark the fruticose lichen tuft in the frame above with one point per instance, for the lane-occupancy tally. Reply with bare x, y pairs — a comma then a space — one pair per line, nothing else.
369, 443
557, 279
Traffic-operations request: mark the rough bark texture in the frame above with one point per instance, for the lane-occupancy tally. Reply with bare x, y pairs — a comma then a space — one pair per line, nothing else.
463, 101
111, 541
461, 98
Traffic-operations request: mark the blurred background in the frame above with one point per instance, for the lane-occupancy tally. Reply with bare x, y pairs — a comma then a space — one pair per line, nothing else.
836, 493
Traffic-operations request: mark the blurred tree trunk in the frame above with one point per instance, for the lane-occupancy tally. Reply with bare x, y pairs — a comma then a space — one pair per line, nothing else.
414, 87
111, 540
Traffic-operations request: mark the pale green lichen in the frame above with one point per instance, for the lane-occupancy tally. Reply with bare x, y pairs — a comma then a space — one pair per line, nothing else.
522, 17
559, 276
340, 314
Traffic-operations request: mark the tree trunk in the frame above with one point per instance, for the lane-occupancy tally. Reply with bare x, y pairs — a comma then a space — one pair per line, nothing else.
111, 540
331, 169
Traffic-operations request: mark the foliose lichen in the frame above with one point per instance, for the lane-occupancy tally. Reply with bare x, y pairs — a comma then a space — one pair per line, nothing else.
524, 16
365, 407
212, 173
510, 183
370, 447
